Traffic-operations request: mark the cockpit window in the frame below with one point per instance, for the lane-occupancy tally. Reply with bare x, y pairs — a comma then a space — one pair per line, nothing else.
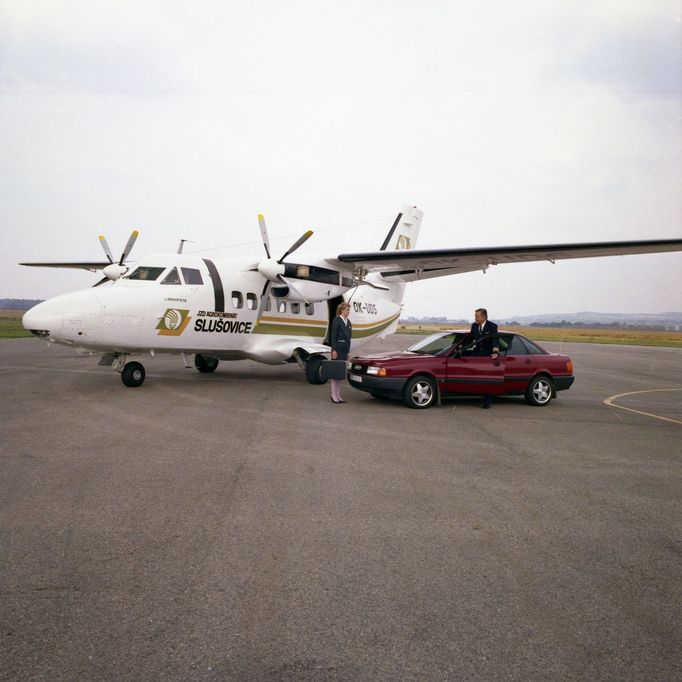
145, 272
173, 277
192, 276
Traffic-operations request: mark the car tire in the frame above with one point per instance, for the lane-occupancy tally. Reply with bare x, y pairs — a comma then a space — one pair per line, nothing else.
205, 365
312, 369
132, 375
540, 391
419, 393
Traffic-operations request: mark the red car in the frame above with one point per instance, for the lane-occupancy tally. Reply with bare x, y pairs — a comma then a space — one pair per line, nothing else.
445, 364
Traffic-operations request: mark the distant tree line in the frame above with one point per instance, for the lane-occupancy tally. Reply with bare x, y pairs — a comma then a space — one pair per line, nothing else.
18, 303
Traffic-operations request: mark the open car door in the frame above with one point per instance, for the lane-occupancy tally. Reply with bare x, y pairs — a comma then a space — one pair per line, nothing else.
477, 374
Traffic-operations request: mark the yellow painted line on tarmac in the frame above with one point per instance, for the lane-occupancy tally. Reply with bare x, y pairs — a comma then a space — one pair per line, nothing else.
609, 401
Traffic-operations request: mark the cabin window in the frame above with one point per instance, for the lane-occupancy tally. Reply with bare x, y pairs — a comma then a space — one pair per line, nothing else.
237, 299
173, 277
346, 281
309, 308
281, 306
251, 301
192, 276
147, 273
295, 308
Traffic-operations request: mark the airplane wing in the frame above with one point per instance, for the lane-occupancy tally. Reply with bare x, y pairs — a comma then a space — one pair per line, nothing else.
84, 265
411, 265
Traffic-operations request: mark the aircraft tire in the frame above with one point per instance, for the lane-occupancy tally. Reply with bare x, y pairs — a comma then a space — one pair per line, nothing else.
205, 365
133, 374
312, 369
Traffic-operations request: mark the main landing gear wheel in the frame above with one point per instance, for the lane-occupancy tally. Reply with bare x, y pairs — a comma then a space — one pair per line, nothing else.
419, 393
133, 374
205, 365
539, 391
312, 369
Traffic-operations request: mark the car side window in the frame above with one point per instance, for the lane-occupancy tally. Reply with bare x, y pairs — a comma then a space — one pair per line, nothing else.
532, 348
517, 347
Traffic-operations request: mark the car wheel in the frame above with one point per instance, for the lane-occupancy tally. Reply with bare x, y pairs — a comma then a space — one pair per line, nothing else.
539, 391
132, 374
205, 365
419, 393
312, 369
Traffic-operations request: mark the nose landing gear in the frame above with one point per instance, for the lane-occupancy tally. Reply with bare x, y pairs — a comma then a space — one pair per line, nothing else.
132, 373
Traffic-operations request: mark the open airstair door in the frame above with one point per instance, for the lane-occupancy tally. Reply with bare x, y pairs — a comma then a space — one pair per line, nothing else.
332, 304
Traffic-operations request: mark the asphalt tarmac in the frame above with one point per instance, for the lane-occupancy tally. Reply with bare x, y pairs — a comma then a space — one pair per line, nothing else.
240, 526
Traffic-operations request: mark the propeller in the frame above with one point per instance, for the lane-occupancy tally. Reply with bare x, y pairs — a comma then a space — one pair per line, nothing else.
272, 269
114, 271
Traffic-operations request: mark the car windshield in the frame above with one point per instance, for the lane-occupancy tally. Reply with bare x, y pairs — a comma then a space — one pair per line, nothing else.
436, 343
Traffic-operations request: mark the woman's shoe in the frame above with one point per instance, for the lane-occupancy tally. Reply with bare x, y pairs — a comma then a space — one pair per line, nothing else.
336, 401
340, 401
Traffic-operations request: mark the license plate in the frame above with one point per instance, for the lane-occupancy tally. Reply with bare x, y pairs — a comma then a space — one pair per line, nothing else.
355, 377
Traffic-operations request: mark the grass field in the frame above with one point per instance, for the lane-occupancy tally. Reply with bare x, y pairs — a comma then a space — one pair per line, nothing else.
10, 324
10, 328
632, 337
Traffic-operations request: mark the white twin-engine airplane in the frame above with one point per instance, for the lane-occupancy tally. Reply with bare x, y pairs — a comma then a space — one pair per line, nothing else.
274, 310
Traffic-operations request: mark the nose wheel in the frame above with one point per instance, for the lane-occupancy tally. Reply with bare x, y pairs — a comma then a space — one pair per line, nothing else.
132, 374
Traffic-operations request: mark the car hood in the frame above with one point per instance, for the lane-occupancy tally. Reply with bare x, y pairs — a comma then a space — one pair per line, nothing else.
384, 357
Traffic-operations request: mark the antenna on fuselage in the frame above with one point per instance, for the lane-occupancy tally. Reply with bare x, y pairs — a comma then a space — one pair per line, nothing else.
182, 244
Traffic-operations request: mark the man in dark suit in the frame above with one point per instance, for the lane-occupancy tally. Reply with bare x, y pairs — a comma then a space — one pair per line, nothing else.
489, 346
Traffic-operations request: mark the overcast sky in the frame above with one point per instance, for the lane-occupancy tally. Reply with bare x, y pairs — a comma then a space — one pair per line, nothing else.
505, 122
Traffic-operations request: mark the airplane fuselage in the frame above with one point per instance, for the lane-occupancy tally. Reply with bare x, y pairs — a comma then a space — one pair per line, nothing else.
183, 303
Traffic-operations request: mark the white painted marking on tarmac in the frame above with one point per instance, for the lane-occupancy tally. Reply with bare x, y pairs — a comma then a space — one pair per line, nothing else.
609, 401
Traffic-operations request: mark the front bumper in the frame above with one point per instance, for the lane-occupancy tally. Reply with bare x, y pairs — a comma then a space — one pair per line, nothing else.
391, 387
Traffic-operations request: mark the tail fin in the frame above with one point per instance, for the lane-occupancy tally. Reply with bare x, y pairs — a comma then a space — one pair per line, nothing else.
402, 235
404, 231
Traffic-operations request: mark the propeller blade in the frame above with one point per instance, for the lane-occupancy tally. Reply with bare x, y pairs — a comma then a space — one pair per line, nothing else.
263, 299
106, 248
133, 236
301, 240
287, 282
102, 281
264, 234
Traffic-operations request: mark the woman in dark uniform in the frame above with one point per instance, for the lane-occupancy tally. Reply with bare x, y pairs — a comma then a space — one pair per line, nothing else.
340, 341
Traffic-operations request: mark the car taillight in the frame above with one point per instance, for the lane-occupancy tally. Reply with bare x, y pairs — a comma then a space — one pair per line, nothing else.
569, 367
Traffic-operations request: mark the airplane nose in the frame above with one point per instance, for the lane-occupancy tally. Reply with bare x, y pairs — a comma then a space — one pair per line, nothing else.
43, 319
64, 318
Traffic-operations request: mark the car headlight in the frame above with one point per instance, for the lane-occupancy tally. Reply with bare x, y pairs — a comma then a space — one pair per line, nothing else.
377, 371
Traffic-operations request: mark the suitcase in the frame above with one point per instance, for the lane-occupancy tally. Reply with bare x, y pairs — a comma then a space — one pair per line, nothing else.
333, 369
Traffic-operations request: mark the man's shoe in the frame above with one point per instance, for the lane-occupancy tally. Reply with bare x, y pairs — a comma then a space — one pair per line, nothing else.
485, 406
